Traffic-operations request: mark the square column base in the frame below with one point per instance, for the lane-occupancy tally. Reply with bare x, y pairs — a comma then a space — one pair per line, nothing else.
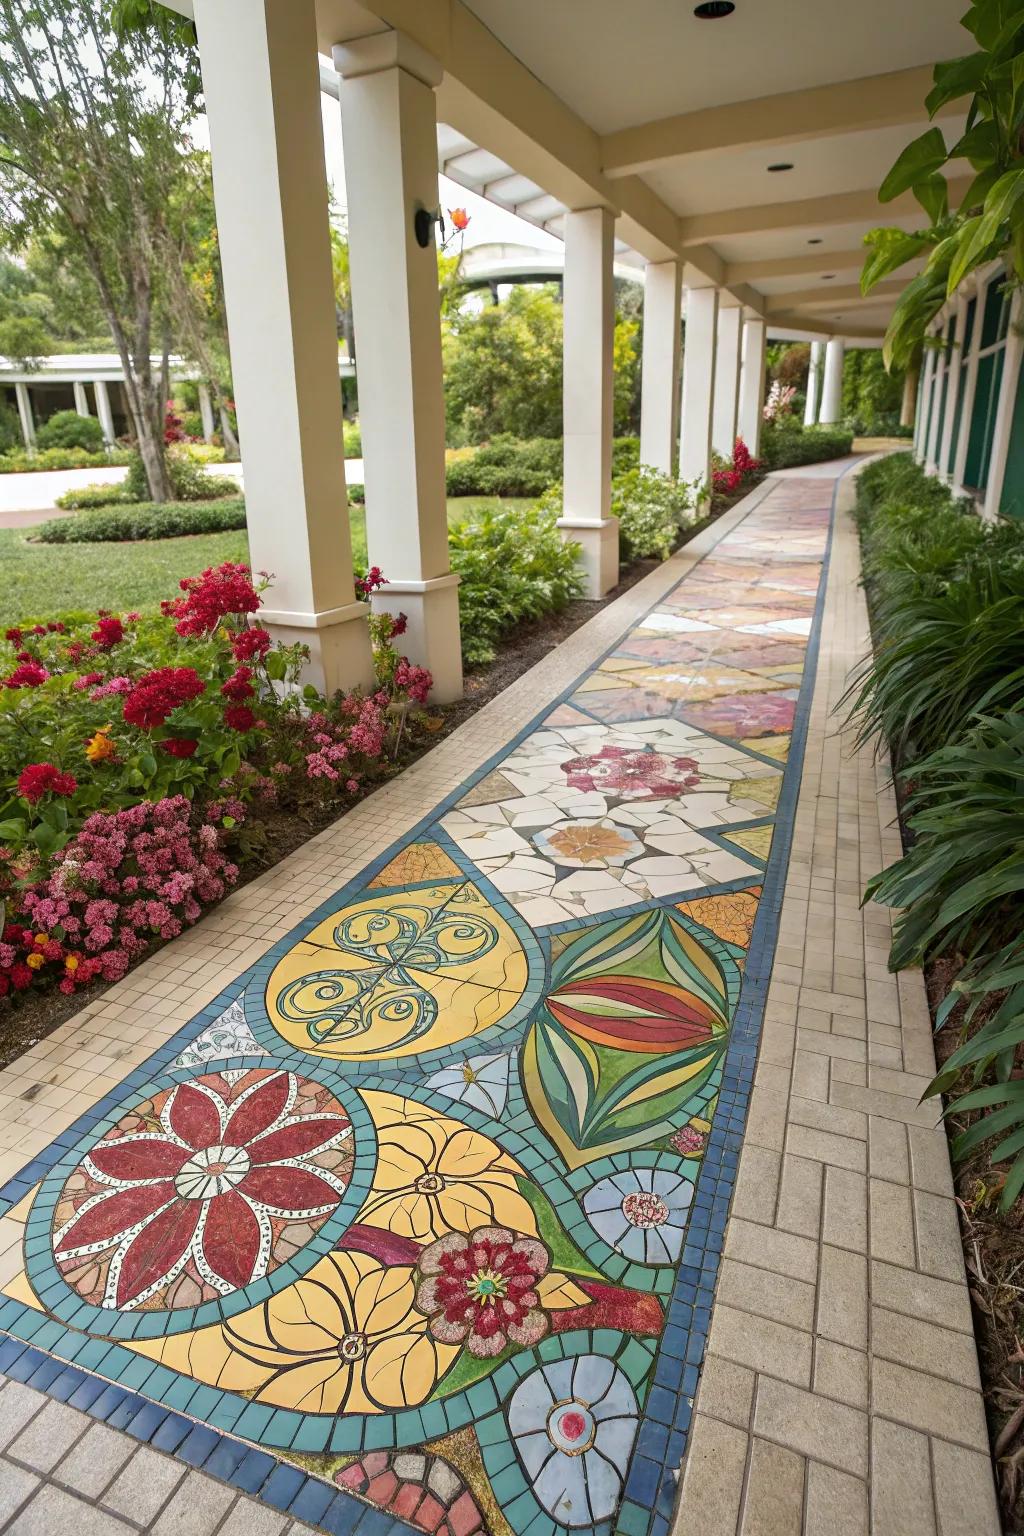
599, 552
340, 655
432, 638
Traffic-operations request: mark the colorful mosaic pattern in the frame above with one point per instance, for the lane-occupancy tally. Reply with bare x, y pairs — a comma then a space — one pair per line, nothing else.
427, 1207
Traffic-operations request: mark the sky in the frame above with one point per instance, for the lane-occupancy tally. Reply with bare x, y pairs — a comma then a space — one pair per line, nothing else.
487, 221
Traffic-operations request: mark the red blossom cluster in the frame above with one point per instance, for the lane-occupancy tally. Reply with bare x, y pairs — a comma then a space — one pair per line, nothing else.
239, 686
150, 700
371, 582
728, 480
109, 632
39, 779
251, 644
28, 674
219, 591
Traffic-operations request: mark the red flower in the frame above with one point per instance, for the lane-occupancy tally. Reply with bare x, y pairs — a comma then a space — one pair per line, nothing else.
238, 686
108, 633
21, 976
481, 1290
399, 625
459, 218
178, 746
40, 779
252, 644
211, 597
373, 579
239, 717
29, 675
229, 1165
157, 693
13, 635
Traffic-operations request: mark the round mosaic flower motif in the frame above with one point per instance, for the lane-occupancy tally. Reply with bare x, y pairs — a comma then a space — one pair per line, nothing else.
202, 1189
641, 1213
630, 775
574, 1423
480, 1290
588, 844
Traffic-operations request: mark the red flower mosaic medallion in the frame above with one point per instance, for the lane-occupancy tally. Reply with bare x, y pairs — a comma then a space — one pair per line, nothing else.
202, 1189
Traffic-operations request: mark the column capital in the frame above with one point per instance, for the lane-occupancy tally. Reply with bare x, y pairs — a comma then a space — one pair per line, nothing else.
379, 51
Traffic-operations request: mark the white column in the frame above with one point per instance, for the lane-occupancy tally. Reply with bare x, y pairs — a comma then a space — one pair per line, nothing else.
832, 388
727, 380
262, 88
389, 122
814, 373
206, 412
952, 386
587, 395
751, 417
104, 412
1005, 409
28, 426
659, 380
921, 435
931, 455
81, 398
970, 391
698, 385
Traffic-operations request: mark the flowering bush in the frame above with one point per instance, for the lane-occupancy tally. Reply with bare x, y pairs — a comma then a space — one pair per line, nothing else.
727, 479
137, 756
779, 402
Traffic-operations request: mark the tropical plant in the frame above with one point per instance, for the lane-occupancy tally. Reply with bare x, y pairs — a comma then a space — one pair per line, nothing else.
66, 429
988, 224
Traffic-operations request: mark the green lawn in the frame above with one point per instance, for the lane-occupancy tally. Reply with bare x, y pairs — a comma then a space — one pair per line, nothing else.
37, 580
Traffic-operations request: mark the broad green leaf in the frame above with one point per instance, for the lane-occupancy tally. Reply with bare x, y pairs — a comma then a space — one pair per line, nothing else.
980, 145
921, 159
890, 249
956, 77
933, 195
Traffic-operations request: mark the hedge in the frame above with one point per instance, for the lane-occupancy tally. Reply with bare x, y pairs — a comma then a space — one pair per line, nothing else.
17, 461
144, 520
803, 445
510, 466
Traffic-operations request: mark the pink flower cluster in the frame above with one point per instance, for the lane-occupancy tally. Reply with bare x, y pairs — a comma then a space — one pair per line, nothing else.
127, 879
359, 733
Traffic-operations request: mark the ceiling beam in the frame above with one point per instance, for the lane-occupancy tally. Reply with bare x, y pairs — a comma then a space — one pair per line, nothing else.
802, 327
822, 111
807, 213
830, 297
794, 266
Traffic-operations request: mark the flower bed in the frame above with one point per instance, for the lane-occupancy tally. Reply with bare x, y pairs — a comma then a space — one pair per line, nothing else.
141, 757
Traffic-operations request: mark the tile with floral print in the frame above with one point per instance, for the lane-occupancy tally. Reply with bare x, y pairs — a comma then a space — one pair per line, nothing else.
415, 1203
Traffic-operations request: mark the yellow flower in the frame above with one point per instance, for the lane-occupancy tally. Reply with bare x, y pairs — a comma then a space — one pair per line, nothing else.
346, 1338
71, 963
35, 960
435, 1175
100, 747
41, 938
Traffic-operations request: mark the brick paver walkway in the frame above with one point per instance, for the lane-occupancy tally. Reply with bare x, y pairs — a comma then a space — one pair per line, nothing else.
418, 1222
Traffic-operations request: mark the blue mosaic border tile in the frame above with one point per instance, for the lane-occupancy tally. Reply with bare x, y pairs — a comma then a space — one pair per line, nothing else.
650, 1487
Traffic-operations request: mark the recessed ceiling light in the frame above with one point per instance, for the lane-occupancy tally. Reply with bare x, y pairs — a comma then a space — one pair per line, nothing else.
714, 10
783, 165
816, 240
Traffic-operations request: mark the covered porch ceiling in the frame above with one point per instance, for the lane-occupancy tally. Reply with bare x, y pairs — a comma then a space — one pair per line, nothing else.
674, 122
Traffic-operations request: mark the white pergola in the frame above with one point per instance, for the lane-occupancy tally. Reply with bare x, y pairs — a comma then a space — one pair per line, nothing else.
736, 161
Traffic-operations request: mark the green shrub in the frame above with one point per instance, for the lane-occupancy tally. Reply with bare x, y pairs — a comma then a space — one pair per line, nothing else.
18, 461
783, 447
66, 429
514, 566
189, 481
206, 453
511, 466
144, 520
83, 497
353, 439
653, 510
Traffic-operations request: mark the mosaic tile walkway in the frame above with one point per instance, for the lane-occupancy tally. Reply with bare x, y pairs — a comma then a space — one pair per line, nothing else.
418, 1224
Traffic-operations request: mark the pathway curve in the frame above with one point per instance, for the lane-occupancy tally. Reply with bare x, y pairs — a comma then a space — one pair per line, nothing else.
511, 1122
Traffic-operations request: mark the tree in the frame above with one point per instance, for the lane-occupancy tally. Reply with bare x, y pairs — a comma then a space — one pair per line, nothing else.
91, 130
503, 367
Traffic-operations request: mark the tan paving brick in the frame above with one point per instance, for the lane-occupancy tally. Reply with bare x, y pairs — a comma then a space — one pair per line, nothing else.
811, 1425
938, 1236
726, 1391
964, 1495
837, 1504
825, 1147
901, 1489
892, 1223
799, 1205
843, 1297
769, 1295
712, 1482
840, 1372
845, 1223
761, 1344
928, 1403
937, 1301
786, 1253
774, 1501
913, 1341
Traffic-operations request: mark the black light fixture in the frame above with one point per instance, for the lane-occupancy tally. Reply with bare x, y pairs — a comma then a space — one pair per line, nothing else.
423, 222
815, 240
827, 277
713, 10
782, 165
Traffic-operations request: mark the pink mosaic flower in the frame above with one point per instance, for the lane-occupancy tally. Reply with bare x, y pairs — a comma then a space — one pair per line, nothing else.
631, 775
481, 1290
224, 1166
